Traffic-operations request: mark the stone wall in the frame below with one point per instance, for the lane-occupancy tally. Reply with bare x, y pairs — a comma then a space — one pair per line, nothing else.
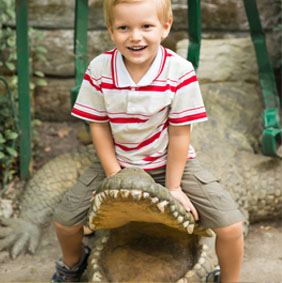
221, 19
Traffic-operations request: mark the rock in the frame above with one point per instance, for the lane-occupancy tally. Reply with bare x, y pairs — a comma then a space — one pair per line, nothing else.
60, 56
216, 14
52, 102
227, 59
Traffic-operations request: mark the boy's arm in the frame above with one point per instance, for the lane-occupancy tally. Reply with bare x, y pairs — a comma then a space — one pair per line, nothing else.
178, 148
103, 142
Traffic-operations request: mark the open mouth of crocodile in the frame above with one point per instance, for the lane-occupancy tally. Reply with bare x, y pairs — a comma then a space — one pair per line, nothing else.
144, 230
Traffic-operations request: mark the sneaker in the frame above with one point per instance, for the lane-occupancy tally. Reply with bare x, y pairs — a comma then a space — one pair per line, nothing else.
214, 276
67, 274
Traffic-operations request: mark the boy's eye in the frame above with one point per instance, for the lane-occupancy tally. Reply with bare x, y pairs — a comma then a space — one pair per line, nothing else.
122, 28
146, 26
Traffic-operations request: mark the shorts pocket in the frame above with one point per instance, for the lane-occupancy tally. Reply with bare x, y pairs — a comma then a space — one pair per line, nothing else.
82, 191
218, 197
87, 177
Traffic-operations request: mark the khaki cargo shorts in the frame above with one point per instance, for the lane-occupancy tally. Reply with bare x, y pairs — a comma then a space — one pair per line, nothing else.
215, 206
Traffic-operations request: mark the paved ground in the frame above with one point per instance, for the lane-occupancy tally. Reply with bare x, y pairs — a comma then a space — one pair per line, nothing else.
262, 259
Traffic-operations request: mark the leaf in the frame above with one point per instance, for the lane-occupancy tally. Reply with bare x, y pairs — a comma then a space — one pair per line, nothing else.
32, 86
2, 155
41, 49
11, 151
39, 74
10, 66
11, 135
40, 57
41, 82
2, 140
11, 41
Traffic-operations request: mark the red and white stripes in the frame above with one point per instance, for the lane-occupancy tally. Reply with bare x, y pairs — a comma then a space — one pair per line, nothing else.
139, 114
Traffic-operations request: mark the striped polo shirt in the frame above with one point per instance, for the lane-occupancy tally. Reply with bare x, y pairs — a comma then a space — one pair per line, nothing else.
139, 114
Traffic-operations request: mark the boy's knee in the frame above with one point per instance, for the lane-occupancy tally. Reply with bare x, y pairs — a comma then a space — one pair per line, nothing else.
68, 229
233, 231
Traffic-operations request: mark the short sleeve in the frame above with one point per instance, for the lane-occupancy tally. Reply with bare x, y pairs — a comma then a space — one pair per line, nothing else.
89, 104
187, 106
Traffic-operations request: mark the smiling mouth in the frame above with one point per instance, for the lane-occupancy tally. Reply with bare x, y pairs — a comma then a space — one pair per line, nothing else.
139, 48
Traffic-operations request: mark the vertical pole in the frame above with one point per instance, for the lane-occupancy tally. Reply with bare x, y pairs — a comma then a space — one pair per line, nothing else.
272, 133
80, 44
194, 22
80, 39
23, 87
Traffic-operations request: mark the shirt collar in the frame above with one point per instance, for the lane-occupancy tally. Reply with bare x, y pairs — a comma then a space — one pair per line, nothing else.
122, 78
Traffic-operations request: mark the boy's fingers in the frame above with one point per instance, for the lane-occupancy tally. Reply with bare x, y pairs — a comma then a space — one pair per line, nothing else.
195, 214
190, 207
93, 193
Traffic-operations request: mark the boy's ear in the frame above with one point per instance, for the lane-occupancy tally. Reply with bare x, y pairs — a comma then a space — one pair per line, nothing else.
110, 29
166, 28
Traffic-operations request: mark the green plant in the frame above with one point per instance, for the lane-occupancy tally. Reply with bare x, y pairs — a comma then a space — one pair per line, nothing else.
8, 58
8, 136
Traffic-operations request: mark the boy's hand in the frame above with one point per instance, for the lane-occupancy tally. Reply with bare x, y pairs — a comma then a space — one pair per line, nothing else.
181, 197
92, 196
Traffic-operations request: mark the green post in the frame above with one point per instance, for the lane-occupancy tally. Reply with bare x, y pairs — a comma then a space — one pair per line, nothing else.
80, 39
272, 133
80, 45
194, 22
23, 87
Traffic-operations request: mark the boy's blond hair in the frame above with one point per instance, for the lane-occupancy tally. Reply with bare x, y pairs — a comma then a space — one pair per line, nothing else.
164, 9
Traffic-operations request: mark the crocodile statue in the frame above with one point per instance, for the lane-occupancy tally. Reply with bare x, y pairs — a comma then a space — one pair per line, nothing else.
126, 250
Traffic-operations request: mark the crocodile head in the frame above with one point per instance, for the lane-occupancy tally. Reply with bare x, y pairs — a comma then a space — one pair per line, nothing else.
136, 214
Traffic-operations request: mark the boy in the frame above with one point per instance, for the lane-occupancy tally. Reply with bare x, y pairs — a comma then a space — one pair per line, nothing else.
141, 100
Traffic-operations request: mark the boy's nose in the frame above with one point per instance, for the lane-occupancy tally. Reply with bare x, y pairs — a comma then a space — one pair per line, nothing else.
135, 35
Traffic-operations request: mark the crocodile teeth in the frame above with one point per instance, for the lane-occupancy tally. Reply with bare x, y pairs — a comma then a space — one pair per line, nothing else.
105, 240
161, 205
155, 200
172, 208
175, 214
97, 277
201, 260
92, 226
185, 224
209, 232
103, 196
94, 208
96, 205
114, 193
100, 197
94, 261
124, 193
99, 248
146, 195
190, 228
136, 194
97, 202
180, 219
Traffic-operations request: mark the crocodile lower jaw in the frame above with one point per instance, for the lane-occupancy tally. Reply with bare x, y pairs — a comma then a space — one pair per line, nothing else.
132, 195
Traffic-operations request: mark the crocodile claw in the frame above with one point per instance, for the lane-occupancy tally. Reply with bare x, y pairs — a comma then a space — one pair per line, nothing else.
18, 235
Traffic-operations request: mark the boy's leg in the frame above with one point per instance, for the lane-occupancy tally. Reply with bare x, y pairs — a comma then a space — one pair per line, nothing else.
70, 216
216, 209
70, 239
229, 250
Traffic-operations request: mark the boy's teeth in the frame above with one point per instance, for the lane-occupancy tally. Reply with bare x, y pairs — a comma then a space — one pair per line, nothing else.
136, 48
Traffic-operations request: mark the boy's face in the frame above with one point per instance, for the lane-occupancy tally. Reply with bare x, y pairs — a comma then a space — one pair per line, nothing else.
137, 32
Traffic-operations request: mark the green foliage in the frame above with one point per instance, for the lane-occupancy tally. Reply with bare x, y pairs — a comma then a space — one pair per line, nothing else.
8, 59
8, 136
